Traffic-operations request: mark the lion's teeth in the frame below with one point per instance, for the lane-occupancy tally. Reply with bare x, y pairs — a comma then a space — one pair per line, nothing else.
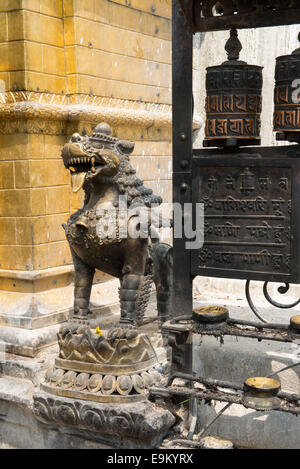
93, 165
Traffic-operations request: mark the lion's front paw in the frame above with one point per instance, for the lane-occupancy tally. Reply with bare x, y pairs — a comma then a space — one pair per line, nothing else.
125, 331
82, 312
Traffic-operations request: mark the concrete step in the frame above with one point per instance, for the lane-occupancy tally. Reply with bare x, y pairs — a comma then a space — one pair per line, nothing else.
15, 390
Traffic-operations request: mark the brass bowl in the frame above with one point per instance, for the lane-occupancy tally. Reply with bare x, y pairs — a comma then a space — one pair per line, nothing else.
211, 314
295, 323
260, 393
262, 386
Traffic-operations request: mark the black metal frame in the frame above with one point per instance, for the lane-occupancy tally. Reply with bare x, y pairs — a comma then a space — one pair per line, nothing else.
241, 15
184, 26
182, 151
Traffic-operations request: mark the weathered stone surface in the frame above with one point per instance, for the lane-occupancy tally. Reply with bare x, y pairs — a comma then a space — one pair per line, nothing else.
27, 342
23, 368
16, 390
250, 429
20, 430
123, 425
210, 442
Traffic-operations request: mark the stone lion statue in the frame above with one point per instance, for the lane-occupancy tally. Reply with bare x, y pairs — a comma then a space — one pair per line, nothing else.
114, 230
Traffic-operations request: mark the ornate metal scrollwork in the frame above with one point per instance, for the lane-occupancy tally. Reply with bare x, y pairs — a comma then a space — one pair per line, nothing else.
282, 290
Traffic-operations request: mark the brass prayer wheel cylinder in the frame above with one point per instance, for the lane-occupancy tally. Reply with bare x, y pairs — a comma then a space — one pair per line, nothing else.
287, 97
234, 100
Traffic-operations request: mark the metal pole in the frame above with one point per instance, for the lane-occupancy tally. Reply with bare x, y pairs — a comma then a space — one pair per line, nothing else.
182, 81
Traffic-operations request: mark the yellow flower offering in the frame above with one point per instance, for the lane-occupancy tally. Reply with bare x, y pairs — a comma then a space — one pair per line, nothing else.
98, 331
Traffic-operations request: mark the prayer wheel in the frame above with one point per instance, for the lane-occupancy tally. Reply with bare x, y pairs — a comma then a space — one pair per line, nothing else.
287, 97
234, 99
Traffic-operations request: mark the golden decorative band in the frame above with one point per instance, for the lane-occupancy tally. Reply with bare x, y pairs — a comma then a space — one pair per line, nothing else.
84, 367
93, 397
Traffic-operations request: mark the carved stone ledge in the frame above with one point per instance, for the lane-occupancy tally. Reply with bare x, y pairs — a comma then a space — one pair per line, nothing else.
91, 113
26, 342
28, 281
141, 425
24, 112
33, 117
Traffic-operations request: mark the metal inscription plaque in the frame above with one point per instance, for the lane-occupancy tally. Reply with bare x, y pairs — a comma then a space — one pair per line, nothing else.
251, 224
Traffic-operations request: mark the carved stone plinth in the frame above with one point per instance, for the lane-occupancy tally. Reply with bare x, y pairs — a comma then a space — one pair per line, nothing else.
120, 425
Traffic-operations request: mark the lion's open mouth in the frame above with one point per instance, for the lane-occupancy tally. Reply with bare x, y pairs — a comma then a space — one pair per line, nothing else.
80, 167
85, 161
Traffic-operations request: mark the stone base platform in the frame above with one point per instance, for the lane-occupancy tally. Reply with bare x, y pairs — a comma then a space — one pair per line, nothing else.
32, 418
138, 425
37, 420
